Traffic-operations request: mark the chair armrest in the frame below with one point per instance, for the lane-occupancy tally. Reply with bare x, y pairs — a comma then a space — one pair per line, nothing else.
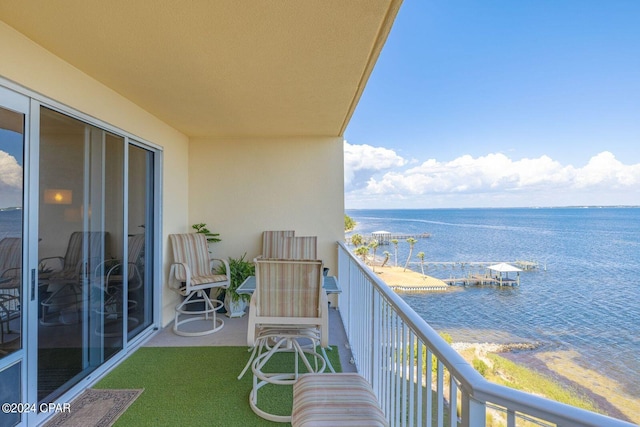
212, 261
60, 259
4, 272
133, 272
174, 283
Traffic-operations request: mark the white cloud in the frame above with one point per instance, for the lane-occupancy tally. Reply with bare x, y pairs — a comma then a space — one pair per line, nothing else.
365, 158
10, 171
497, 180
605, 170
10, 180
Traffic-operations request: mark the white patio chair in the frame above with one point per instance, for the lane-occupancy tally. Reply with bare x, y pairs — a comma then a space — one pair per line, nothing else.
192, 276
289, 305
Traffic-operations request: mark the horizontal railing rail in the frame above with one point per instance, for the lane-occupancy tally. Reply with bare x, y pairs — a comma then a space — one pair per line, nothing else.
419, 379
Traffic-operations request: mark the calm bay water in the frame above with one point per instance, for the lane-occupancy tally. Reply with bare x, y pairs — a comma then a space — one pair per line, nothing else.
585, 295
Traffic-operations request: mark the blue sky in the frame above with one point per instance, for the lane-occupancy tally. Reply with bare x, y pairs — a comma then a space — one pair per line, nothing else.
501, 103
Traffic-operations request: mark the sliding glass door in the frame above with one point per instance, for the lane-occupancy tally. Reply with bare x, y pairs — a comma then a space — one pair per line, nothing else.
13, 113
141, 202
81, 234
95, 248
78, 208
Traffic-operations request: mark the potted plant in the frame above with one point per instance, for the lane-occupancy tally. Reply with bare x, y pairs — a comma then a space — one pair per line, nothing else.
202, 228
235, 303
211, 237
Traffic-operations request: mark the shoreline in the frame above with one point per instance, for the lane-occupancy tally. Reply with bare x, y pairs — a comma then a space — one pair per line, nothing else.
561, 366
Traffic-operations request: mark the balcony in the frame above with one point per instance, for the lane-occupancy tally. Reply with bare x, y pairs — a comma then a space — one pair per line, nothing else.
393, 348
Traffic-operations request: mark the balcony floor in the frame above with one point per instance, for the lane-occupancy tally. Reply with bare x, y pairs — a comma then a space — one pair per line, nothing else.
234, 333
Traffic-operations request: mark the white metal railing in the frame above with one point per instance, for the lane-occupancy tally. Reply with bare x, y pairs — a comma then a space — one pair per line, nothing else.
394, 348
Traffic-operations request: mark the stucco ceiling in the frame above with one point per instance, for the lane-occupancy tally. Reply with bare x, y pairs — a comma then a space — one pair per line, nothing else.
220, 67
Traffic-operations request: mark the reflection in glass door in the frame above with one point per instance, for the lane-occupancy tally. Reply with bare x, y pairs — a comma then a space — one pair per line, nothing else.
81, 240
12, 141
141, 225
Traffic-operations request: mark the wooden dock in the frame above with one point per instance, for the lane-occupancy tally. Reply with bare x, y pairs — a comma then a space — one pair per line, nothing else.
385, 237
523, 265
481, 280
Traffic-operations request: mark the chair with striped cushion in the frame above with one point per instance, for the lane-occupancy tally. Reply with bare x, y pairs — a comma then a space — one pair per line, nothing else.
288, 306
85, 251
300, 247
273, 243
192, 276
63, 277
344, 399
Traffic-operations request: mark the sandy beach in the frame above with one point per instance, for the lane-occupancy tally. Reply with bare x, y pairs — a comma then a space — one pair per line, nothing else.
562, 366
399, 279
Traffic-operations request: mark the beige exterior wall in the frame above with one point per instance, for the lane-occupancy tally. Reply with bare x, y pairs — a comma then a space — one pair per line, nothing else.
241, 187
36, 69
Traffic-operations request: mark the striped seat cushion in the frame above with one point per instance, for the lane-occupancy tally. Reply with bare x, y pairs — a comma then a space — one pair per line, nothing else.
213, 278
329, 400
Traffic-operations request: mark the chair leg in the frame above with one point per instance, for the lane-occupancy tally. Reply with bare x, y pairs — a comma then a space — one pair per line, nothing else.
209, 313
257, 349
287, 341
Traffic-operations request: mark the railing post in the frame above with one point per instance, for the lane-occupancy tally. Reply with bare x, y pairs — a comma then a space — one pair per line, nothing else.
473, 413
376, 356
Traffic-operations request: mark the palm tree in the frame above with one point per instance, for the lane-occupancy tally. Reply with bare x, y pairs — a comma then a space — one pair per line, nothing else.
395, 244
411, 242
349, 223
357, 240
387, 254
363, 251
421, 256
374, 245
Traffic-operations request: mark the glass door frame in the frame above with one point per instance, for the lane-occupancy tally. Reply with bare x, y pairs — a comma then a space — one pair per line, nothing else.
17, 98
15, 101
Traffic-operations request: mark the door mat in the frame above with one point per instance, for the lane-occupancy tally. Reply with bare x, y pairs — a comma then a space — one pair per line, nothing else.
95, 407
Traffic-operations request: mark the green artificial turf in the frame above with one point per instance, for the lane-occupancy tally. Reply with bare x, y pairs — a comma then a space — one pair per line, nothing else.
198, 386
